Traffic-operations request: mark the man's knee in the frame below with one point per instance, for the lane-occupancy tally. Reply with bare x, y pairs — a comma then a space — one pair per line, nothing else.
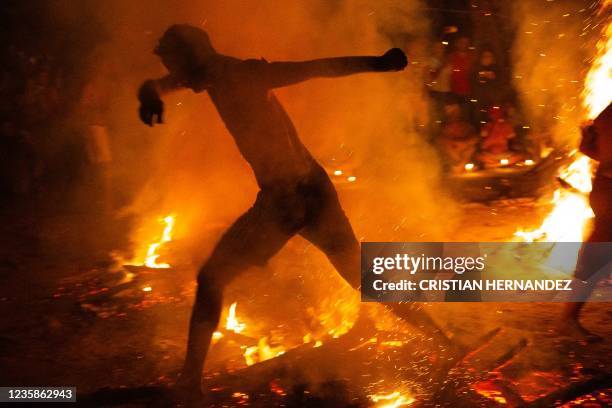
341, 245
347, 261
208, 303
209, 294
219, 270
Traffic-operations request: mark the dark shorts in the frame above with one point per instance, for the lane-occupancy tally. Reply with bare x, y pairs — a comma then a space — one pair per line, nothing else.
309, 207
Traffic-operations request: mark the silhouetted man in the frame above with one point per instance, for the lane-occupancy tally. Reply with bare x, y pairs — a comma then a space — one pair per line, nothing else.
296, 196
594, 262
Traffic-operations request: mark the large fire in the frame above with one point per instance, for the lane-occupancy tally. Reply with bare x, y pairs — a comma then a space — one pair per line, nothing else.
571, 211
568, 220
598, 82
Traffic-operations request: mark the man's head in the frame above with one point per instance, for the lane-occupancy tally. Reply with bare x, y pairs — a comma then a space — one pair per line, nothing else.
183, 47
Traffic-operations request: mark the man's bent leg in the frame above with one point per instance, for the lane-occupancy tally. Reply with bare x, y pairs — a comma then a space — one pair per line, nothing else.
252, 240
332, 233
592, 258
204, 320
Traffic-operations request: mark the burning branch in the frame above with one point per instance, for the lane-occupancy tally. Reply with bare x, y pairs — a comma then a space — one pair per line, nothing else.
151, 256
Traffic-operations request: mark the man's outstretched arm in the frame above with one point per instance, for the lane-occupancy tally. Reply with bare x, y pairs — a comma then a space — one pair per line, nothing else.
278, 74
149, 95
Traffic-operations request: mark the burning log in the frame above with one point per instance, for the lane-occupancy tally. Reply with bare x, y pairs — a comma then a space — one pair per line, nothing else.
304, 373
573, 391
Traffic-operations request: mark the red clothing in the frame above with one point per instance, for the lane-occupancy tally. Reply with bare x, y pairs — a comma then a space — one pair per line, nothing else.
496, 137
461, 67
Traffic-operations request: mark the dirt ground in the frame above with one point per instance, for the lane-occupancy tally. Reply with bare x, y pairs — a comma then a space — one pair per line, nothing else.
58, 326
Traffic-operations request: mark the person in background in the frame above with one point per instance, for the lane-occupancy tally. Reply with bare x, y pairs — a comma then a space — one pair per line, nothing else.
486, 84
496, 136
461, 62
94, 106
594, 260
438, 85
457, 140
418, 112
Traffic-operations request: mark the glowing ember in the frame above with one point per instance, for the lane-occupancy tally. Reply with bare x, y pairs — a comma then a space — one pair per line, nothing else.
393, 400
529, 162
262, 352
277, 389
243, 399
469, 166
351, 179
147, 289
232, 323
337, 172
504, 162
489, 390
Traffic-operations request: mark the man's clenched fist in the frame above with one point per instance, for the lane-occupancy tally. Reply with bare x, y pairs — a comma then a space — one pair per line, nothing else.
151, 105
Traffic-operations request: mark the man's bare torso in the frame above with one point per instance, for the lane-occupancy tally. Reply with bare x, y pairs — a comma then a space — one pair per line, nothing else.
261, 127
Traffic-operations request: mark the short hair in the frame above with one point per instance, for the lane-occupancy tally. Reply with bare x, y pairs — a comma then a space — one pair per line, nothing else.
191, 42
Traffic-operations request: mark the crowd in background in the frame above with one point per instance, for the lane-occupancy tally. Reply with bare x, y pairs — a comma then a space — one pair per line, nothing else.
473, 118
475, 121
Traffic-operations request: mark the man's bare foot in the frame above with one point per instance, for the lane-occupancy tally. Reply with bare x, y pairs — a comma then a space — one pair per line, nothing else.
573, 328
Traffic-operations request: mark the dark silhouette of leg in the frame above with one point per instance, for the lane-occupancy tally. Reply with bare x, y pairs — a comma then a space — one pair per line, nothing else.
252, 240
593, 265
331, 232
594, 260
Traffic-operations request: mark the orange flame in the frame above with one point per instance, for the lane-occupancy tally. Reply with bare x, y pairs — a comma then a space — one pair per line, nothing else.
568, 220
232, 323
262, 352
152, 255
253, 354
598, 82
393, 400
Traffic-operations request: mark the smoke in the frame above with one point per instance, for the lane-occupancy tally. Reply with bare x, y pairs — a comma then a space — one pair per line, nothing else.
364, 124
553, 46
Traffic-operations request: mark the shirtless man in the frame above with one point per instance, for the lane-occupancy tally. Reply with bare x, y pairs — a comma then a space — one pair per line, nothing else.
595, 259
296, 196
